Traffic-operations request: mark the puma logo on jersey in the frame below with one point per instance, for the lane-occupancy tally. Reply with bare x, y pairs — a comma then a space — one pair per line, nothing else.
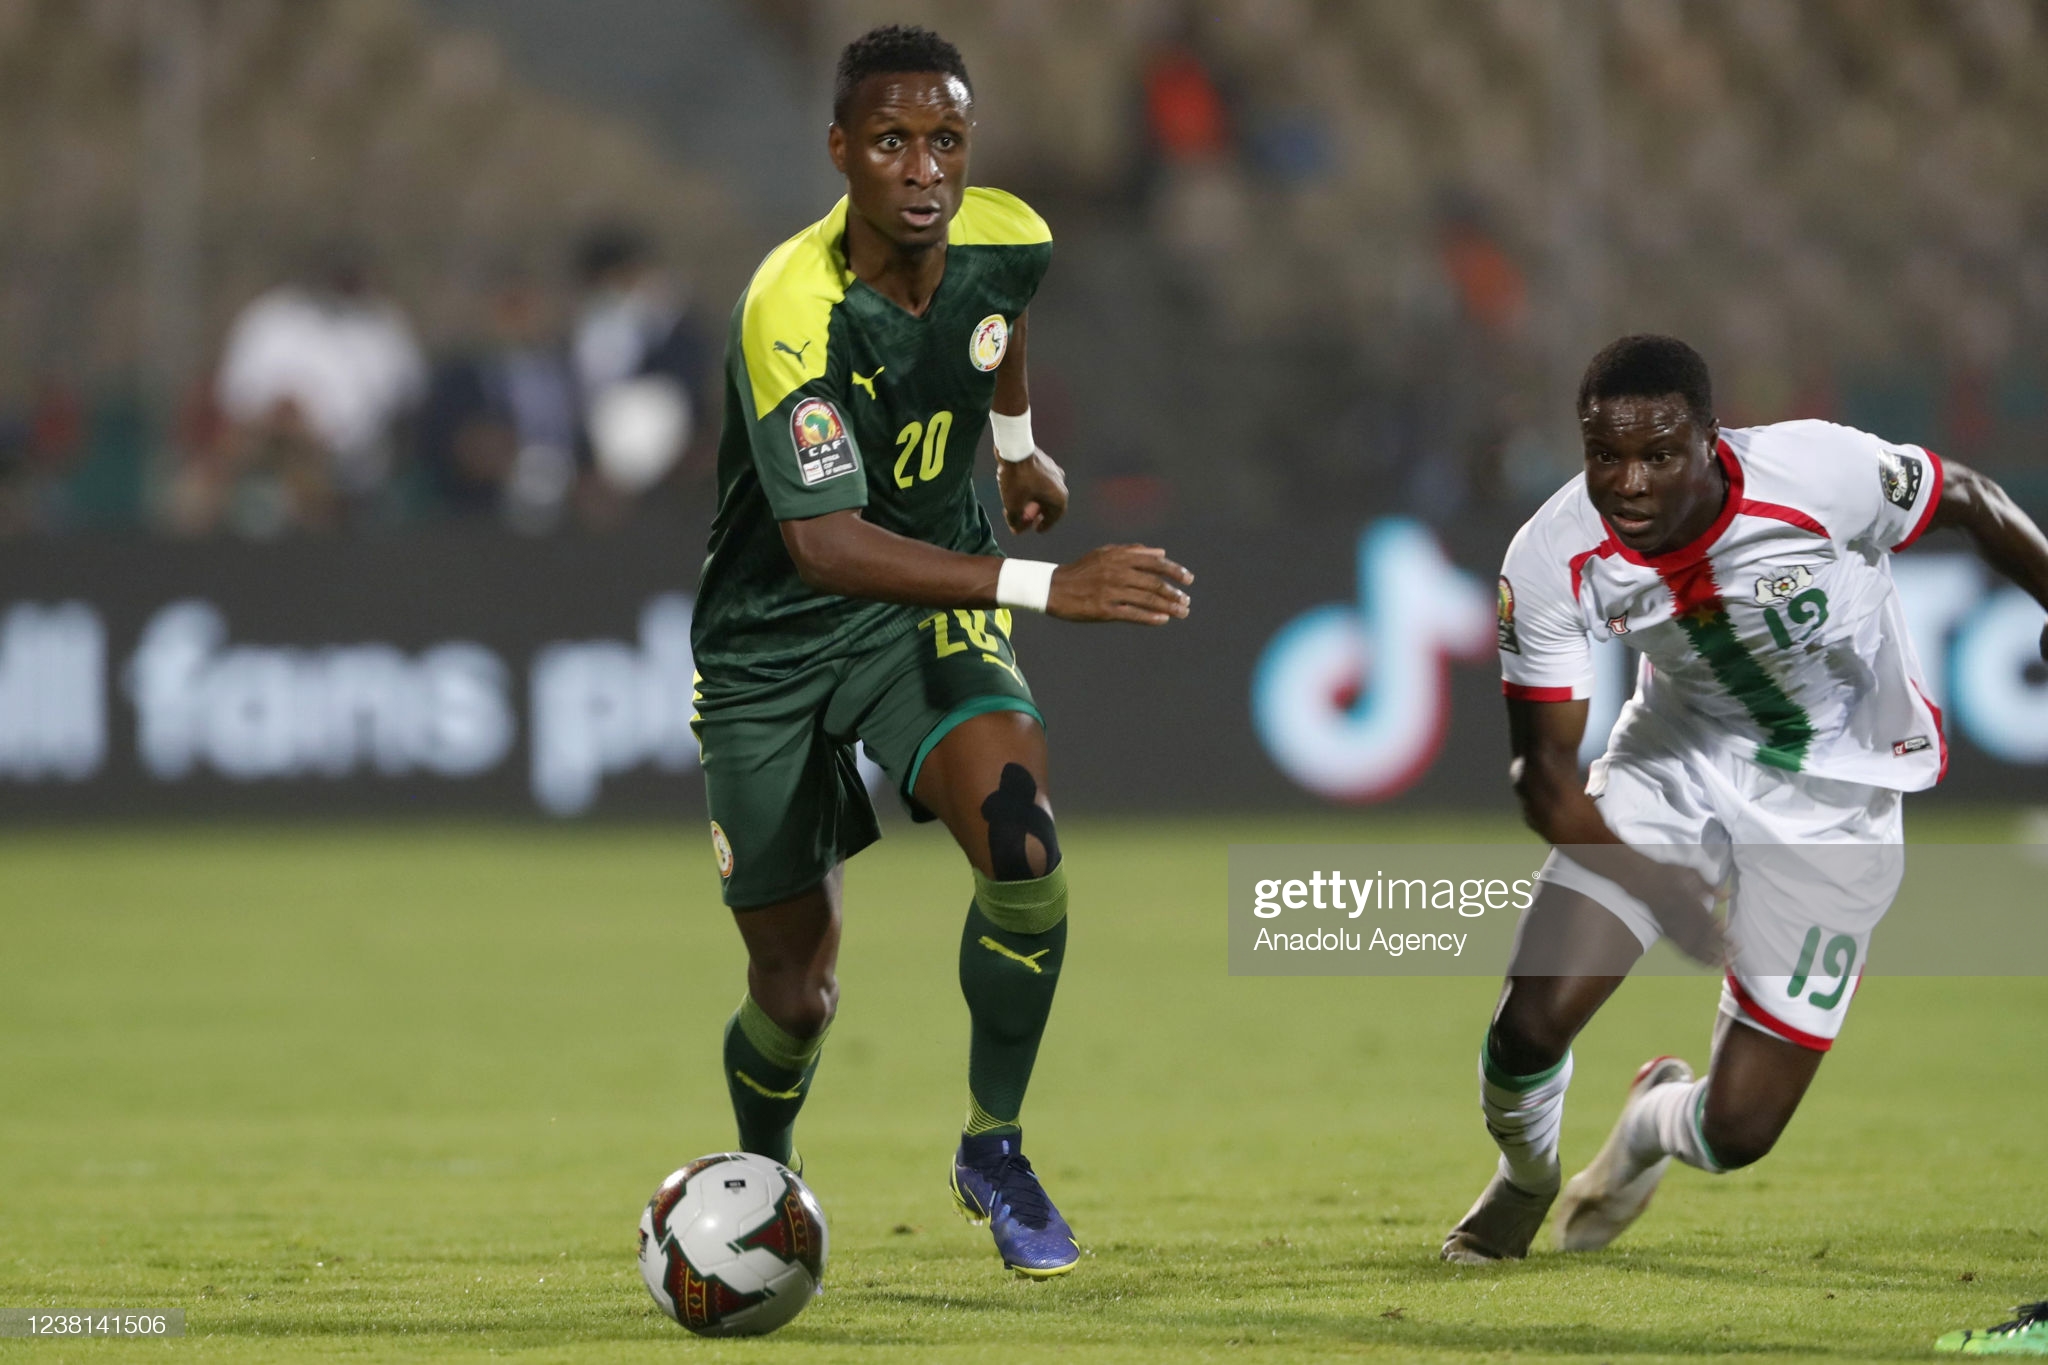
866, 381
795, 353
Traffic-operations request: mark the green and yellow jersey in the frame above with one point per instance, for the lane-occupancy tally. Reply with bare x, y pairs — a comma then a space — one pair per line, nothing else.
837, 398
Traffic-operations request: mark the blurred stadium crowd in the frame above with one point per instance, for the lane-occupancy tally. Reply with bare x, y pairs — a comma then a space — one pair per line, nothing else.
407, 286
1315, 254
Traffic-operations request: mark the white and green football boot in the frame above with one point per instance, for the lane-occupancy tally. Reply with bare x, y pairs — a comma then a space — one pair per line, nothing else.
2025, 1335
1601, 1201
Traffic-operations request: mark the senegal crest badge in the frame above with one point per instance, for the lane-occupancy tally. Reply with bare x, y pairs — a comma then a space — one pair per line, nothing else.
990, 342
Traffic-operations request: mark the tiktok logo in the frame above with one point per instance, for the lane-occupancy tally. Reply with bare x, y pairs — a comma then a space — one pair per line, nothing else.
1351, 701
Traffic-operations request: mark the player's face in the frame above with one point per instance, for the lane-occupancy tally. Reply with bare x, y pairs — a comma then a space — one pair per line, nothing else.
903, 152
1651, 470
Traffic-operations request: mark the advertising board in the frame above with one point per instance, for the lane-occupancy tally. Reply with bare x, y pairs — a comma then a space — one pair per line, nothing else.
476, 671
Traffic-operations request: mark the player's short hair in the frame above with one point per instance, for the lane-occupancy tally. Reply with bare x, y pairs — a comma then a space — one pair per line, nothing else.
1649, 366
891, 50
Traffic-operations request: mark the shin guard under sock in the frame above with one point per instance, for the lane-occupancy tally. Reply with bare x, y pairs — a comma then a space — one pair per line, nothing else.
1525, 1114
768, 1072
1010, 955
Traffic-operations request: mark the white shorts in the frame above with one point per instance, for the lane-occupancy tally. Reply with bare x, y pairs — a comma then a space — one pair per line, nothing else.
1812, 865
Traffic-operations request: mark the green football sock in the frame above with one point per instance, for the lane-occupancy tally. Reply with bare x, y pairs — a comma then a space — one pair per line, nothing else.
768, 1071
1010, 954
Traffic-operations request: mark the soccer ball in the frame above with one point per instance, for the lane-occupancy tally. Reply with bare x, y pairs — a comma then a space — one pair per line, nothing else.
733, 1245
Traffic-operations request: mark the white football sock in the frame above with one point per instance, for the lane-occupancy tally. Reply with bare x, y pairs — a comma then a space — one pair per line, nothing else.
1525, 1114
1666, 1122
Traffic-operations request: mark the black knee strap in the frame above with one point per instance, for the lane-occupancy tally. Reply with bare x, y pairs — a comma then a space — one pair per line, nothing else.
1013, 816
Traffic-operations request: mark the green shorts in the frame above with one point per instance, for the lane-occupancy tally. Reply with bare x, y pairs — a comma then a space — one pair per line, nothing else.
787, 801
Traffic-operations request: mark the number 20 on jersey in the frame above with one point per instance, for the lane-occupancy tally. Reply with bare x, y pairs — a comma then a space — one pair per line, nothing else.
932, 458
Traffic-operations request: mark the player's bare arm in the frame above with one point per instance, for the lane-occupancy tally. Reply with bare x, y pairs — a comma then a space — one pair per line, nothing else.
1545, 739
844, 554
2006, 538
1033, 487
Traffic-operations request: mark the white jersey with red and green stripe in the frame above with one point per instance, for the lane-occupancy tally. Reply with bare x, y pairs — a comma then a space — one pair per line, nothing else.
1778, 633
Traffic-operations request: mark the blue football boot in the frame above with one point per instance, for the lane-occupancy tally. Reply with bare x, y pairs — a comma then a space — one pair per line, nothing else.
994, 1183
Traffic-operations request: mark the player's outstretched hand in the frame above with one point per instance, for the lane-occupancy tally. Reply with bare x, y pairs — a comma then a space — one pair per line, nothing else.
1682, 901
1034, 492
1120, 583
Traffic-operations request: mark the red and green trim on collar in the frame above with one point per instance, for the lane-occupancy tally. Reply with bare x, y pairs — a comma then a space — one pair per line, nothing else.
1699, 609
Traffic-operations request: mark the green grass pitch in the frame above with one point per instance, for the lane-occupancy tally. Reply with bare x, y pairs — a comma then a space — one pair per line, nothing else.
400, 1094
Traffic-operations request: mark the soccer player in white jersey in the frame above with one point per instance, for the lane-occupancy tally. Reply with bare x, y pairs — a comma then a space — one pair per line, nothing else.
1780, 704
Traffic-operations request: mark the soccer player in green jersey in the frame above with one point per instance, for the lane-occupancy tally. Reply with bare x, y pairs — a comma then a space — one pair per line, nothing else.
854, 591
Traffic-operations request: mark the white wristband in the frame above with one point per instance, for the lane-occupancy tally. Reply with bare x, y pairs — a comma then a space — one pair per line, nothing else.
1025, 584
1013, 436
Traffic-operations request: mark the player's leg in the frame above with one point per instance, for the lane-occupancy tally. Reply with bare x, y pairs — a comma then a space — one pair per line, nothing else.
1765, 1056
1819, 866
788, 808
1718, 1122
774, 1039
986, 781
1577, 941
948, 715
1816, 867
1732, 1116
1525, 1064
